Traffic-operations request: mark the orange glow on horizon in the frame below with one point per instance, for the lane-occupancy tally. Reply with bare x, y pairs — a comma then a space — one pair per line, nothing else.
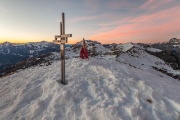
27, 41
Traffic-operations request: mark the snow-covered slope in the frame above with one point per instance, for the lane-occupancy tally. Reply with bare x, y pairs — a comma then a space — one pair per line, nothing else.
98, 89
137, 57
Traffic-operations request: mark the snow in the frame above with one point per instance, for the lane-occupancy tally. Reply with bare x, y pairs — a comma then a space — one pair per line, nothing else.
98, 46
101, 49
30, 56
8, 51
176, 45
126, 46
98, 89
70, 54
140, 59
91, 46
6, 44
31, 51
153, 50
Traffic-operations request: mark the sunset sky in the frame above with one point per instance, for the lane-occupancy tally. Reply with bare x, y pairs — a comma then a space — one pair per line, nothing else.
106, 21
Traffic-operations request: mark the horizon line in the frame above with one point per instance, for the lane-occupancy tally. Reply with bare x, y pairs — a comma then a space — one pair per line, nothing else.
80, 40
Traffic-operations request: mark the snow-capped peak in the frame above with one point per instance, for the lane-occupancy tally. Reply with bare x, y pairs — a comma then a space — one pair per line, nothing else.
6, 44
125, 47
174, 41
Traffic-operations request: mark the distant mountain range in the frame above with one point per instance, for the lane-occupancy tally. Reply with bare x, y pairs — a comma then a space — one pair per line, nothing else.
20, 56
172, 44
13, 53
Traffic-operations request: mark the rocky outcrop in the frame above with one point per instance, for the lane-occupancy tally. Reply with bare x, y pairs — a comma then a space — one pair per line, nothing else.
170, 57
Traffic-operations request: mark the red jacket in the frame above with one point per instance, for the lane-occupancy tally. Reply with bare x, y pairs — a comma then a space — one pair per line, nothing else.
84, 53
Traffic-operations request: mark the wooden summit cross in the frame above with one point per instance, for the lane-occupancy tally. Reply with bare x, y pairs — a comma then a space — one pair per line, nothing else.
63, 39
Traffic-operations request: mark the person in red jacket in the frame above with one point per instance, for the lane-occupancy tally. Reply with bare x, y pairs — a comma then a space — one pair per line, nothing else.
84, 51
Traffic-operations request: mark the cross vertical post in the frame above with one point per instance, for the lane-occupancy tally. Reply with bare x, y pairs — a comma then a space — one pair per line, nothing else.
63, 39
63, 51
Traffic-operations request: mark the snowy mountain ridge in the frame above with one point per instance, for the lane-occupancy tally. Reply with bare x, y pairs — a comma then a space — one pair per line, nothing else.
12, 47
11, 53
133, 51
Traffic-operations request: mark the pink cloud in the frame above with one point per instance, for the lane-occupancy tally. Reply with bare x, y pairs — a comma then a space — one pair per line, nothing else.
157, 26
147, 4
152, 4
